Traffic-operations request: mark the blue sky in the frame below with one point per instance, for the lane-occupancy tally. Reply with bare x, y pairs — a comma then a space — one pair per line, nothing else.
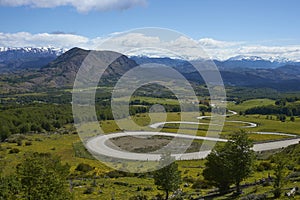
251, 20
263, 22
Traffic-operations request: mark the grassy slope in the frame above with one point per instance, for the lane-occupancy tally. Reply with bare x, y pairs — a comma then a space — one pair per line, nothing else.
249, 104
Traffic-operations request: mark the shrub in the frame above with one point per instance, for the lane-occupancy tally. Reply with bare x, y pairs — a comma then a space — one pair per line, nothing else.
14, 150
148, 188
89, 190
264, 165
83, 167
28, 143
38, 139
15, 138
19, 143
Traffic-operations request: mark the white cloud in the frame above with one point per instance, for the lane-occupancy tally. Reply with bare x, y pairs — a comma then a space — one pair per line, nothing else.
137, 43
24, 39
211, 43
223, 50
81, 6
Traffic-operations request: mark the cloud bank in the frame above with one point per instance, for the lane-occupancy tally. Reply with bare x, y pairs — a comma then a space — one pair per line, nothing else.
81, 6
215, 49
25, 39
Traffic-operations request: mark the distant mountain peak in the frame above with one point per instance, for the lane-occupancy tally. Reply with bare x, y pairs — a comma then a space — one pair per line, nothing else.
275, 59
33, 50
245, 58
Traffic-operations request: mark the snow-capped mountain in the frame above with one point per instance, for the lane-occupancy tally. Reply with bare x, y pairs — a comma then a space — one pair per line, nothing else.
7, 53
248, 58
27, 57
244, 61
257, 58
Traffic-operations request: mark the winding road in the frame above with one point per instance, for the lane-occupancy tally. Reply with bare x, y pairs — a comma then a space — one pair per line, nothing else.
98, 145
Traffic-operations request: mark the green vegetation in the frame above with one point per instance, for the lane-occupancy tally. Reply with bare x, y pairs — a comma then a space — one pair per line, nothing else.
38, 176
167, 178
231, 163
42, 122
244, 105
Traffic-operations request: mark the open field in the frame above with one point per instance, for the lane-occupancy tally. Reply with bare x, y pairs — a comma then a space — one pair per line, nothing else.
107, 186
249, 104
122, 187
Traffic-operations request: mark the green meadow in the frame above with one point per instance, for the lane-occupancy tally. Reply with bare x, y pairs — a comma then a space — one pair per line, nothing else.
102, 182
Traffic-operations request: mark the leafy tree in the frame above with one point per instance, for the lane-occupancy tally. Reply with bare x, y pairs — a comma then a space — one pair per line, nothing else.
241, 157
279, 176
231, 163
24, 128
217, 170
167, 178
43, 177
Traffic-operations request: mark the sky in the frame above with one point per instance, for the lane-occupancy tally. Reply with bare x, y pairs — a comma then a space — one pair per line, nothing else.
224, 27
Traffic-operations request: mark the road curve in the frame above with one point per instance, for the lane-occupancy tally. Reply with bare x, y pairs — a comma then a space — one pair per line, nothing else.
98, 145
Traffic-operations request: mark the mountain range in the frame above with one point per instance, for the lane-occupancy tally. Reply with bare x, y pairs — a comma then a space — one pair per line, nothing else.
12, 59
31, 69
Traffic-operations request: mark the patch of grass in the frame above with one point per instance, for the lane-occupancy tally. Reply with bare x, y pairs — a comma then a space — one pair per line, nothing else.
81, 152
249, 104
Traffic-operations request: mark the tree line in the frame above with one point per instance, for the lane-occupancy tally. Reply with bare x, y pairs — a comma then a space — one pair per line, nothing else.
288, 110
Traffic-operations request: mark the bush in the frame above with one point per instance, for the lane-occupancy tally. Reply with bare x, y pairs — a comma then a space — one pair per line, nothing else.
148, 188
28, 143
19, 143
15, 138
38, 139
84, 167
14, 150
89, 190
264, 165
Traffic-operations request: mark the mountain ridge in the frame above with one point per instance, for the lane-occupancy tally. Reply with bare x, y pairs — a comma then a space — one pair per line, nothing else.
61, 72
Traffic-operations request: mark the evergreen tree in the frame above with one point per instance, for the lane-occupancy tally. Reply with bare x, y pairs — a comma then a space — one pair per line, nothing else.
167, 178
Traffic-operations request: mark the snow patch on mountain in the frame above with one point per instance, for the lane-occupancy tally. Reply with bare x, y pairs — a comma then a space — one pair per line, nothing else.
34, 50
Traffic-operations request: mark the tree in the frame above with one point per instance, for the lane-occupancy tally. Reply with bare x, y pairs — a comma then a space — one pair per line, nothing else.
24, 128
4, 132
241, 157
231, 163
43, 176
279, 176
167, 178
217, 170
